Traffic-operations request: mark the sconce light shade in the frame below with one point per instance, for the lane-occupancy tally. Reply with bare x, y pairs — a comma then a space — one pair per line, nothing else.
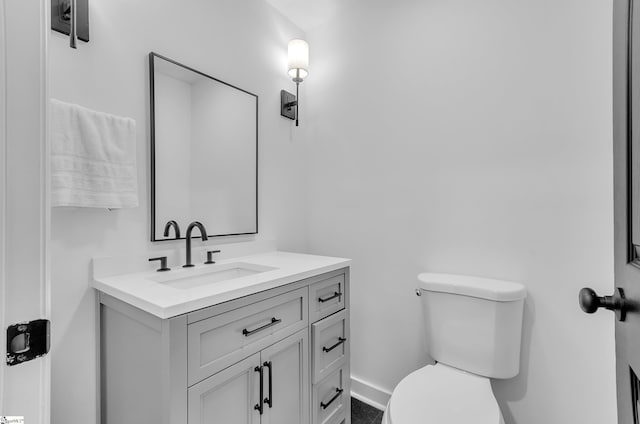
298, 60
298, 71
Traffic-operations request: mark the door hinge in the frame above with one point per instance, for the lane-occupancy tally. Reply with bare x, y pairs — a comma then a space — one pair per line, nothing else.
27, 341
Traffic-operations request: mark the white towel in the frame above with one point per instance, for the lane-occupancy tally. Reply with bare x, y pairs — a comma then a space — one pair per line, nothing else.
93, 158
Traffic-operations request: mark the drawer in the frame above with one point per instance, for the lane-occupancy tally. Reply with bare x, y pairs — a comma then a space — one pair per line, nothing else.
330, 398
220, 341
330, 344
327, 297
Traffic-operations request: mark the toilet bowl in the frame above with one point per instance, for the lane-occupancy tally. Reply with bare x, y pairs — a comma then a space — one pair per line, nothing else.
473, 329
438, 394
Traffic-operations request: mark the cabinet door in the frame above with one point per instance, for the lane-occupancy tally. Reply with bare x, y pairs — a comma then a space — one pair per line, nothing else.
228, 397
288, 379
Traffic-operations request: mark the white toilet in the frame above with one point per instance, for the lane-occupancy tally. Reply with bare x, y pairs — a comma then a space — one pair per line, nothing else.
473, 328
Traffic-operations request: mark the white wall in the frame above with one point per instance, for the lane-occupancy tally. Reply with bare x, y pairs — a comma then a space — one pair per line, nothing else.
470, 137
242, 42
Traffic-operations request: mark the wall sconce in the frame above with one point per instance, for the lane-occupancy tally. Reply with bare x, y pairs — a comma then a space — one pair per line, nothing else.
298, 71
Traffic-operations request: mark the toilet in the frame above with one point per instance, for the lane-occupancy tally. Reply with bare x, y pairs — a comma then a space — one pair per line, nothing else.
473, 328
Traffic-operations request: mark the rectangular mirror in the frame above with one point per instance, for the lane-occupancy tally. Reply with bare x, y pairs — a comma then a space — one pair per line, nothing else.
204, 152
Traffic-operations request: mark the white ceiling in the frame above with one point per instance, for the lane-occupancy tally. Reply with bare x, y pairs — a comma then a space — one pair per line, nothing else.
306, 14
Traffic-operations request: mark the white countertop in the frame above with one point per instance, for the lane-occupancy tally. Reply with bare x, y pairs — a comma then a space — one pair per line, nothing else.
165, 301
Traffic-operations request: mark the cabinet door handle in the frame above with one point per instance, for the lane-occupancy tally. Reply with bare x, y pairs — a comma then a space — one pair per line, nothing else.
330, 348
260, 406
274, 321
326, 405
326, 299
269, 400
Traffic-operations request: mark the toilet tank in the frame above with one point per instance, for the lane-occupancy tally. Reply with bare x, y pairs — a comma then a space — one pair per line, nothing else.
473, 323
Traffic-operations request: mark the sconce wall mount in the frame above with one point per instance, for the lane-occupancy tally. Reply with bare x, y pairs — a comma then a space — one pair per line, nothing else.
288, 103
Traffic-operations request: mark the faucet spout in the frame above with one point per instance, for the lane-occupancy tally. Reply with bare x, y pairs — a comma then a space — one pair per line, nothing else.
203, 234
175, 226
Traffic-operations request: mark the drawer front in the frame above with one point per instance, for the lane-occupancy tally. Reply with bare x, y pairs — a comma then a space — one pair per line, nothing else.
330, 344
220, 341
330, 398
327, 297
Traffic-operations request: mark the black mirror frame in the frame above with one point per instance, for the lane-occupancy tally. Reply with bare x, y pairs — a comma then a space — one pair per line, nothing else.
152, 131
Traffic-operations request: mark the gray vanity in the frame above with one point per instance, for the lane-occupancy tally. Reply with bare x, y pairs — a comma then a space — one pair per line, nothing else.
269, 347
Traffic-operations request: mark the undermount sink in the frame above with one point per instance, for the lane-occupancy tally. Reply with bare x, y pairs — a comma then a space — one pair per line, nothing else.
189, 278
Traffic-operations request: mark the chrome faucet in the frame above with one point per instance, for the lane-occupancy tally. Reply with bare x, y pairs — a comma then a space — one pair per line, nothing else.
203, 234
175, 226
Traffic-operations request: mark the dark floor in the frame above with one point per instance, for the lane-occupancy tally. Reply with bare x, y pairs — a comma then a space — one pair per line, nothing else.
361, 413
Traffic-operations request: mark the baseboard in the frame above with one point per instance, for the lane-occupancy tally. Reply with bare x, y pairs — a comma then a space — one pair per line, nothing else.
369, 393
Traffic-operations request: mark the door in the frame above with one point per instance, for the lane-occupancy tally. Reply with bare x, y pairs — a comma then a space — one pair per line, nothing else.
286, 384
24, 214
627, 200
626, 115
626, 155
228, 397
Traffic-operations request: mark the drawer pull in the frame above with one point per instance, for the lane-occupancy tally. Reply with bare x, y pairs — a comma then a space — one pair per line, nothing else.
329, 349
274, 321
260, 406
326, 299
326, 405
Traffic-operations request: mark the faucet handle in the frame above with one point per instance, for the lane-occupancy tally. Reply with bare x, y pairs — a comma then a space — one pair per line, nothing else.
210, 256
163, 263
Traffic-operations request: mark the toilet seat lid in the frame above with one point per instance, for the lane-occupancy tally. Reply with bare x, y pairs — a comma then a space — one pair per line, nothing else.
439, 394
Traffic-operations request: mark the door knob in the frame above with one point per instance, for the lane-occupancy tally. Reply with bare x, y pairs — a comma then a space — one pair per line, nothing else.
590, 302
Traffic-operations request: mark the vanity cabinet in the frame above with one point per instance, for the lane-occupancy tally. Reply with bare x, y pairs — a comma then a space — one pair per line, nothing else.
279, 356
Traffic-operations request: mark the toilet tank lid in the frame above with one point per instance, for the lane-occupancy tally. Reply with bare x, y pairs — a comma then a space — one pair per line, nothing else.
483, 288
